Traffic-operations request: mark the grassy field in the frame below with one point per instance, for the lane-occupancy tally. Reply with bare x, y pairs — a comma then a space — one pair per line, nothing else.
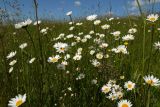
89, 59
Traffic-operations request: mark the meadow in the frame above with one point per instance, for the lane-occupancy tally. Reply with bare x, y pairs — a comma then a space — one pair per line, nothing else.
94, 62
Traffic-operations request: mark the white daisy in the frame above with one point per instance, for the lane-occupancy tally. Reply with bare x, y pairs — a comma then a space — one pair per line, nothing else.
32, 60
106, 89
92, 17
61, 47
11, 55
17, 101
129, 85
13, 62
97, 22
151, 80
157, 45
23, 45
124, 103
54, 59
69, 13
128, 37
152, 17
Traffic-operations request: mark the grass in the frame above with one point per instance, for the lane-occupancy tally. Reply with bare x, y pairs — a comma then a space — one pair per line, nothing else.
47, 86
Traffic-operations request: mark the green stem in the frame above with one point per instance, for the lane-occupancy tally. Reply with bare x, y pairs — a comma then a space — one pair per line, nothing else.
148, 98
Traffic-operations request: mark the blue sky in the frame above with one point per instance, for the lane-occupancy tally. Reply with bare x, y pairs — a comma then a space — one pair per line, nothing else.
58, 8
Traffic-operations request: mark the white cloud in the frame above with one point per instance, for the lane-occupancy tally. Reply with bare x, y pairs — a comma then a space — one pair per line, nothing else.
77, 3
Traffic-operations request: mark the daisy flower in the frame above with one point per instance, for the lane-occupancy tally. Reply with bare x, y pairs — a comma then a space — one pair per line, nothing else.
92, 17
152, 17
35, 23
132, 30
61, 47
23, 24
151, 80
17, 101
128, 37
69, 13
104, 27
11, 55
105, 89
54, 59
97, 22
13, 62
124, 103
157, 45
23, 45
32, 60
129, 85
99, 55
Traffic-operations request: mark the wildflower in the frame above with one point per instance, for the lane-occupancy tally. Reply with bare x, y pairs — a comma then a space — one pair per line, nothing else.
92, 52
11, 55
81, 33
22, 46
99, 55
151, 80
91, 17
152, 17
105, 89
79, 24
91, 32
71, 23
95, 63
69, 13
54, 59
94, 81
116, 33
67, 56
11, 69
80, 76
104, 27
120, 49
103, 45
157, 45
13, 62
84, 40
101, 35
70, 36
32, 60
77, 57
97, 22
61, 47
110, 19
129, 85
44, 31
35, 23
124, 103
128, 37
23, 24
71, 28
17, 101
69, 88
119, 94
132, 30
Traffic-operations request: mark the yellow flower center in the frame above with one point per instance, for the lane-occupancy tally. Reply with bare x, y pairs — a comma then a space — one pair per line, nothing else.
106, 90
126, 43
150, 82
129, 85
18, 103
54, 60
152, 19
62, 49
125, 105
